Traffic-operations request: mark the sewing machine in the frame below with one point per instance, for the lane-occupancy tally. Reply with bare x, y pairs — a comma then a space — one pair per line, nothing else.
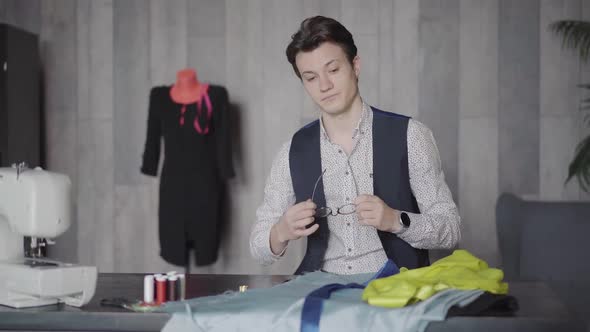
37, 203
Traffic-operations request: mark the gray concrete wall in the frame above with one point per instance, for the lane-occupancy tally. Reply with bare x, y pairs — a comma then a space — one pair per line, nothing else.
486, 76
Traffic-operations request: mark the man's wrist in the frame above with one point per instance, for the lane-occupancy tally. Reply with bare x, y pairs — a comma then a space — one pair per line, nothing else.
277, 246
277, 233
394, 224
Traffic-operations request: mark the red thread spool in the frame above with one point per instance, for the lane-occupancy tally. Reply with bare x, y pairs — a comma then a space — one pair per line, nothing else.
161, 290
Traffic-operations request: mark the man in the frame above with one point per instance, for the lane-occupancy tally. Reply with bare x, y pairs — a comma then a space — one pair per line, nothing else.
361, 184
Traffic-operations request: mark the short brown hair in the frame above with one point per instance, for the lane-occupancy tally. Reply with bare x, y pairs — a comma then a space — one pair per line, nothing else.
316, 30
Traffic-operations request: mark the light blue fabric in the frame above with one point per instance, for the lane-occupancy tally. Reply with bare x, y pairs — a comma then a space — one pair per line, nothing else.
313, 303
279, 309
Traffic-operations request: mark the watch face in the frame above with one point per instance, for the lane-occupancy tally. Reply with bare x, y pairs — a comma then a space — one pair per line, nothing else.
405, 219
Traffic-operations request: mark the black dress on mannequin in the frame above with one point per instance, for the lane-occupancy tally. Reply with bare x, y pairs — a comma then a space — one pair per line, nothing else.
196, 164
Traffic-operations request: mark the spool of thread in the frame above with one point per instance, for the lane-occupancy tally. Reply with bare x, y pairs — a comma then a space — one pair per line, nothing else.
148, 289
161, 290
172, 288
181, 287
156, 276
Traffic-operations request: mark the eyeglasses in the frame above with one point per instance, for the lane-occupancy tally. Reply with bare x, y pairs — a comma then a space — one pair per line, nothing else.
324, 211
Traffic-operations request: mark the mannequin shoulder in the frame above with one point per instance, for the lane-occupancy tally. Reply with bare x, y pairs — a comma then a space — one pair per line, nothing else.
218, 91
160, 92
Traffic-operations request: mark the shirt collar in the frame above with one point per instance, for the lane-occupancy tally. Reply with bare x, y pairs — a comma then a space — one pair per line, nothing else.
360, 128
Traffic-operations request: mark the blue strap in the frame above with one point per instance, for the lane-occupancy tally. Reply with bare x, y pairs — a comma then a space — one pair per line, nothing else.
314, 301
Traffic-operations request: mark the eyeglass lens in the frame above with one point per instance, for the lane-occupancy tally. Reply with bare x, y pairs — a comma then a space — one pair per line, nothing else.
323, 212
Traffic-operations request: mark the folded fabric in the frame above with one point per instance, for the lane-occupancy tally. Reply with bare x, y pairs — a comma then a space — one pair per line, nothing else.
488, 304
314, 301
461, 270
279, 308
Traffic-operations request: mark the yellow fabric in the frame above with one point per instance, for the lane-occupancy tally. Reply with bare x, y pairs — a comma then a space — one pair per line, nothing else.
461, 270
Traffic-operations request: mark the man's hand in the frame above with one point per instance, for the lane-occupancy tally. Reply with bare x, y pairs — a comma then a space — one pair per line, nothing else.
292, 225
372, 211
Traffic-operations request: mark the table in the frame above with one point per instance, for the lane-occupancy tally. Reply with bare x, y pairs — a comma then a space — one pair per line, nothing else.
540, 308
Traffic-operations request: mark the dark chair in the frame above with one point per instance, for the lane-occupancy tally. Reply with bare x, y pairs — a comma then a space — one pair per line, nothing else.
547, 241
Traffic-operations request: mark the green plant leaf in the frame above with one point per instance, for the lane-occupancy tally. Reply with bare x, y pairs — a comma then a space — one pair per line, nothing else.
575, 35
580, 165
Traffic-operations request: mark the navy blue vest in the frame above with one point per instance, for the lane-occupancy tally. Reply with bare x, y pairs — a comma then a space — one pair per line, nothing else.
391, 183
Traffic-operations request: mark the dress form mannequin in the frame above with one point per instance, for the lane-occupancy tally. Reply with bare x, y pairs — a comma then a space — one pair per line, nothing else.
194, 168
188, 90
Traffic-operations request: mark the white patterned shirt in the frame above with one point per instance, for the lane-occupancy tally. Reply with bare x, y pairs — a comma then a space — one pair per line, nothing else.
353, 247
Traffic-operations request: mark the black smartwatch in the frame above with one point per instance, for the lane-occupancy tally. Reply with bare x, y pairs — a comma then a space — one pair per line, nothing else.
405, 220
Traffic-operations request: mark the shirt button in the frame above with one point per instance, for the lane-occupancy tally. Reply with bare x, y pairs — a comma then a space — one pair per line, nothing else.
349, 249
339, 151
346, 173
349, 267
347, 224
347, 199
370, 175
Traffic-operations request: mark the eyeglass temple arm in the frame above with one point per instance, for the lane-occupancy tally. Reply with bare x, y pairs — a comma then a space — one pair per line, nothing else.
316, 184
